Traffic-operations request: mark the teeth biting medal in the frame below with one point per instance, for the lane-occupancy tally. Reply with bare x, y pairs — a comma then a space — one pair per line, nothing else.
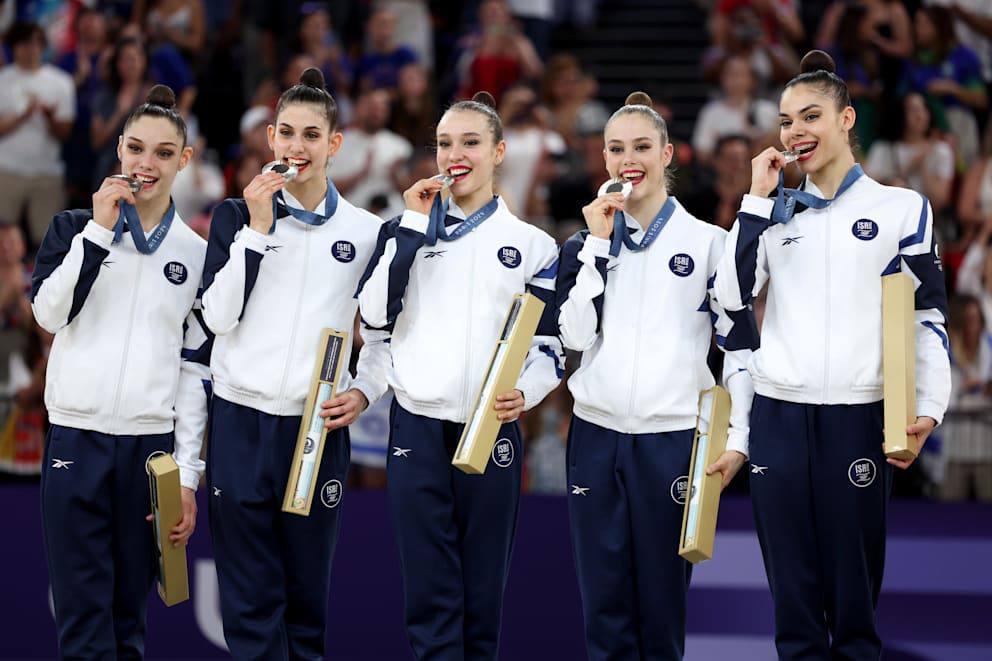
132, 183
617, 185
445, 179
288, 172
793, 156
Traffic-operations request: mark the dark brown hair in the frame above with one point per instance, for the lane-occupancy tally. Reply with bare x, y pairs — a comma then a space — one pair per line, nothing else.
311, 89
484, 104
640, 103
160, 102
817, 70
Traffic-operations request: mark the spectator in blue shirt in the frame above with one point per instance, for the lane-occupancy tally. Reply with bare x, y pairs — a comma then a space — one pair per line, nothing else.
84, 63
380, 66
950, 75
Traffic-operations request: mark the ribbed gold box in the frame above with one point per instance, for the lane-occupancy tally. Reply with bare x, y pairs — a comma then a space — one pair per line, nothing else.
702, 502
310, 441
507, 361
167, 508
899, 364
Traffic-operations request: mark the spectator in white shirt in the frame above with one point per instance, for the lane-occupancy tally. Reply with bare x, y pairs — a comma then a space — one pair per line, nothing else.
372, 161
918, 159
530, 149
37, 109
736, 112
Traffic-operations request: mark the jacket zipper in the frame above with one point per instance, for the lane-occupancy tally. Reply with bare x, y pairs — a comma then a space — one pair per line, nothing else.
296, 318
466, 396
127, 346
826, 319
637, 333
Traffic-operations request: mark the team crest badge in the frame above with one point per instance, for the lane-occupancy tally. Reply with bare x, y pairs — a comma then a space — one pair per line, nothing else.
175, 273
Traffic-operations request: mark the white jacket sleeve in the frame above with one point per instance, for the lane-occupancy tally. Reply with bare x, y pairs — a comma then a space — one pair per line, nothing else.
67, 265
544, 366
737, 336
919, 258
192, 398
383, 286
374, 362
581, 283
234, 255
743, 269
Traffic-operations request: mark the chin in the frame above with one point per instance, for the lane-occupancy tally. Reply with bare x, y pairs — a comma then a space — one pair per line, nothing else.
811, 167
644, 189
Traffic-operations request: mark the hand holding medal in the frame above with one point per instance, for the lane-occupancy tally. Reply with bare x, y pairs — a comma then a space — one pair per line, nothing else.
420, 196
599, 214
258, 194
106, 201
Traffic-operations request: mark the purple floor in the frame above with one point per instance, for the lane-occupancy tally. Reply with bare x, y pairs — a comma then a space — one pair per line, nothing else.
936, 604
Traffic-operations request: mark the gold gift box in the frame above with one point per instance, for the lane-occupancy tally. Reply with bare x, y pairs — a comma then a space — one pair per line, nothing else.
702, 500
310, 441
899, 364
167, 508
479, 436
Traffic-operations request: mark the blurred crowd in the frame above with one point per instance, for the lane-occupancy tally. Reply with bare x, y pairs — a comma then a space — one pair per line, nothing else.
920, 75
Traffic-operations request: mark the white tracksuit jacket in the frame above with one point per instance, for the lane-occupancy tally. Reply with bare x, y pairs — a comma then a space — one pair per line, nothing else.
445, 305
643, 322
821, 341
129, 356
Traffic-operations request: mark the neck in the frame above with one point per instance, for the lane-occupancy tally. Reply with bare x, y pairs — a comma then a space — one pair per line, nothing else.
913, 138
474, 201
28, 66
310, 193
829, 178
151, 211
645, 209
736, 100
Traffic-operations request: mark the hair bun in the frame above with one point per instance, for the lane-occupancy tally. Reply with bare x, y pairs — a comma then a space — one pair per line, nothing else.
313, 77
817, 60
161, 95
485, 98
638, 99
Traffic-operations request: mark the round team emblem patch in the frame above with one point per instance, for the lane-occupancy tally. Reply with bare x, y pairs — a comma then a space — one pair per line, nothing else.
864, 229
330, 494
503, 453
861, 472
343, 251
681, 265
679, 489
509, 257
175, 273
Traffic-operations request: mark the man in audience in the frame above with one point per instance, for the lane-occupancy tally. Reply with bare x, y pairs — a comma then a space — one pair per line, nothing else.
372, 159
37, 109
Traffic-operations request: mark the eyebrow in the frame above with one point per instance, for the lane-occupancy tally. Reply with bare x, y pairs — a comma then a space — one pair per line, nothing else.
809, 107
643, 137
470, 133
161, 144
305, 128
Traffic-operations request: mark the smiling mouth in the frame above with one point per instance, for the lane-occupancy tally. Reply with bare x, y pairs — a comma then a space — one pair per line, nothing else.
635, 177
146, 181
459, 173
804, 152
301, 164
